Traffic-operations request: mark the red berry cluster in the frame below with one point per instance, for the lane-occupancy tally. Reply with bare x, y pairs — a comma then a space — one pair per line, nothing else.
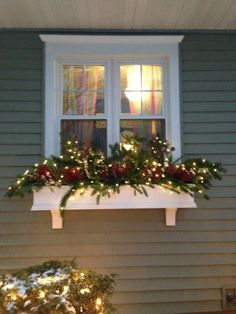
43, 173
115, 170
154, 174
72, 175
119, 170
179, 172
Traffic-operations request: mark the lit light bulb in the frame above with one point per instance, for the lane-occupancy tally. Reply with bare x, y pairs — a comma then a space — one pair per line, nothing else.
85, 290
98, 301
13, 296
65, 289
41, 294
127, 146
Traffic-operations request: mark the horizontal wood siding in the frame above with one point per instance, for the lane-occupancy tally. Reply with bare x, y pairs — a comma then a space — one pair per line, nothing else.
161, 269
209, 130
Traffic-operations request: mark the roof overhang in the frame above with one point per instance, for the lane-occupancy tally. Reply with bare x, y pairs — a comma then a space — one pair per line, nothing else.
119, 14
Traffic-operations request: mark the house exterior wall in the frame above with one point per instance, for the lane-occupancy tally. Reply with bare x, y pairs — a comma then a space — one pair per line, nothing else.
161, 269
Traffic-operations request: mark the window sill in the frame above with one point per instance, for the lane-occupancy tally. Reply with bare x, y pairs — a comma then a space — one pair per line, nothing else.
49, 199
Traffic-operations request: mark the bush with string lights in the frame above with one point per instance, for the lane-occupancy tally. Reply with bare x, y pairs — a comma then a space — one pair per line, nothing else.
56, 288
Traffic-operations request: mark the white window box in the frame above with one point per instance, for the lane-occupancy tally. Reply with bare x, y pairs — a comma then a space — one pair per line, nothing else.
49, 199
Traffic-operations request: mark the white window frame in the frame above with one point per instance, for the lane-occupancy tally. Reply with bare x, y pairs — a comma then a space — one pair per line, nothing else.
111, 49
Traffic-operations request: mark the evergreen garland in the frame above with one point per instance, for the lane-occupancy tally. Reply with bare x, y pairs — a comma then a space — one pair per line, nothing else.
135, 162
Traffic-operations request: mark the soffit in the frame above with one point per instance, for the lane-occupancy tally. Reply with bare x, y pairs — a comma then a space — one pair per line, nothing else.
119, 14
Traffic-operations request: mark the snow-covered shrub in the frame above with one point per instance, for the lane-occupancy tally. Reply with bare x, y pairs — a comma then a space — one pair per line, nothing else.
56, 288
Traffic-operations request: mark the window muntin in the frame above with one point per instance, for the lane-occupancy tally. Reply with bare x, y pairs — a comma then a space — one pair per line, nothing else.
100, 104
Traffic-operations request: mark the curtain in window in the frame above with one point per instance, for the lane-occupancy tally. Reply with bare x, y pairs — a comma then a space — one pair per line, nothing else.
81, 91
152, 86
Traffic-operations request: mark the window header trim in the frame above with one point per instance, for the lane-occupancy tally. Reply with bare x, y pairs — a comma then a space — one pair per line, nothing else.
111, 39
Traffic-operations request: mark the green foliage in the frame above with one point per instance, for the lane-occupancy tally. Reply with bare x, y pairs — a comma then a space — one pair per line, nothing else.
135, 162
56, 287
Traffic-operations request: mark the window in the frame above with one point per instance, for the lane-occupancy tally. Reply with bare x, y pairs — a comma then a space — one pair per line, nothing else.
89, 111
100, 89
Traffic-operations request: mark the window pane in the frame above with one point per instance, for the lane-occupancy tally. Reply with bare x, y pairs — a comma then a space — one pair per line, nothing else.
152, 102
142, 103
83, 103
142, 128
141, 89
90, 132
83, 89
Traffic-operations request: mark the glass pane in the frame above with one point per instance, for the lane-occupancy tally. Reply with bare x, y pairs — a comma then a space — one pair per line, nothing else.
83, 77
151, 77
141, 103
90, 132
133, 106
141, 89
142, 128
83, 103
152, 102
83, 89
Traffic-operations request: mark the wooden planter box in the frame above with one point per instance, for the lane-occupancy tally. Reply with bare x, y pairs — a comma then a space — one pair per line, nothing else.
49, 199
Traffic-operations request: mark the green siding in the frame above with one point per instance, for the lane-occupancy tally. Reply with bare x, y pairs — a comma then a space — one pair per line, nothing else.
162, 269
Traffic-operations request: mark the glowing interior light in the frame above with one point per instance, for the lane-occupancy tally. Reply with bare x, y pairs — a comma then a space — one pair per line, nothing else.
133, 89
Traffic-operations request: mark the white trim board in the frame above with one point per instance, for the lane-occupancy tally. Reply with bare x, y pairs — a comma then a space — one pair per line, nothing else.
111, 39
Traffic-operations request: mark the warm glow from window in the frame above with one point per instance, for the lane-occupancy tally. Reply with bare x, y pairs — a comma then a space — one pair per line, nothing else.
142, 87
133, 89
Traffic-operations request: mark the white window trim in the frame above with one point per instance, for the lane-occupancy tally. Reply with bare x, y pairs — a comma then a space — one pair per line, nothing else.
74, 47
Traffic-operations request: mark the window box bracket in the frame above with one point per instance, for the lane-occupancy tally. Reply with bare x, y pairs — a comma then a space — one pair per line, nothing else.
49, 199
